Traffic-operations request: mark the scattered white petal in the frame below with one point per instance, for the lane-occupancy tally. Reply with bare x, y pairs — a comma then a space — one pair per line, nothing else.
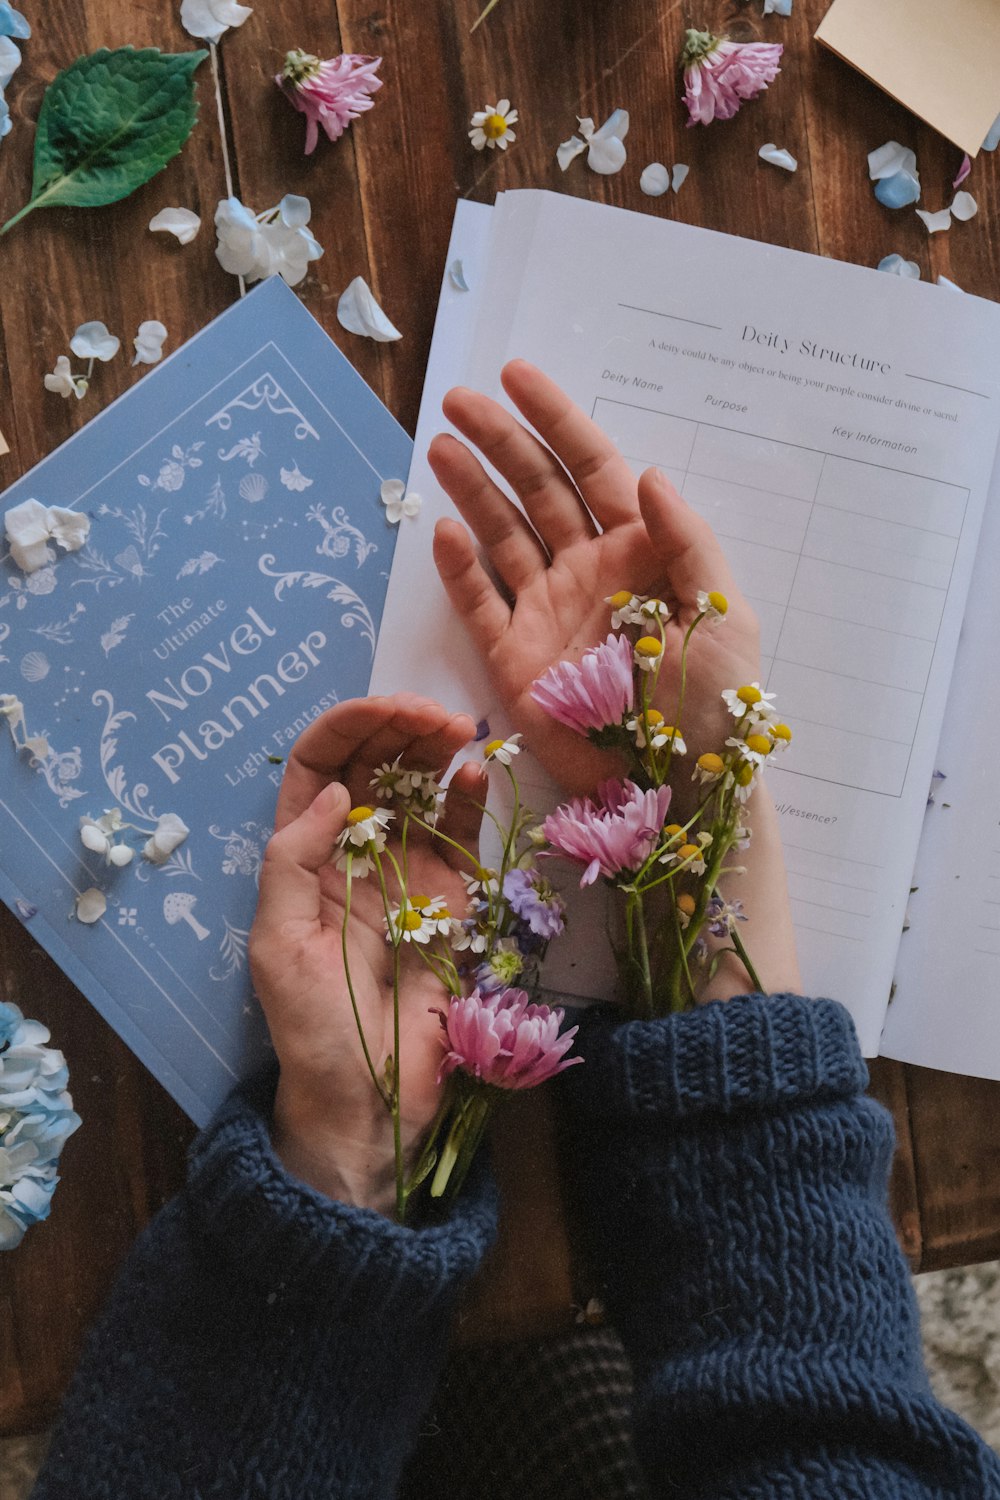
70, 528
169, 833
895, 265
778, 157
680, 175
779, 7
358, 312
952, 286
606, 147
121, 855
456, 275
585, 126
397, 502
91, 905
935, 222
294, 211
963, 171
93, 341
148, 343
569, 151
992, 140
179, 221
655, 180
258, 245
886, 160
36, 745
964, 206
211, 19
30, 527
64, 382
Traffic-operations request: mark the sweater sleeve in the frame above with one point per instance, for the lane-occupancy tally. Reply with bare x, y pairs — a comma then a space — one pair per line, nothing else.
263, 1340
728, 1175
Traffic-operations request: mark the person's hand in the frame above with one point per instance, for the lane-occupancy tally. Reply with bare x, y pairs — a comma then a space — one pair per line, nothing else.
331, 1128
589, 529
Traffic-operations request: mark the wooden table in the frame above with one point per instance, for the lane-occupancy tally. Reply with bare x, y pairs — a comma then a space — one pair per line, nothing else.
382, 205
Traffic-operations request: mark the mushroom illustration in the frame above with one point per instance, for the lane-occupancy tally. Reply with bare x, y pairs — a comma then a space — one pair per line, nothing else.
177, 908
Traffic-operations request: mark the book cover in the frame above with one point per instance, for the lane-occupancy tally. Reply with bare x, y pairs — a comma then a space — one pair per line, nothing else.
230, 590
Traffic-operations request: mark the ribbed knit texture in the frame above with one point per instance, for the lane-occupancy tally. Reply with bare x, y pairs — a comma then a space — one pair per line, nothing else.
262, 1340
730, 1179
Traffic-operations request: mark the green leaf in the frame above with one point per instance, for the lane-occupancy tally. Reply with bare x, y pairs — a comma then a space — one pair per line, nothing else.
108, 124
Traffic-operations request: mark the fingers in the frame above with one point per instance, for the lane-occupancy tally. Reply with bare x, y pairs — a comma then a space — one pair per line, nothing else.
462, 815
551, 502
686, 546
598, 470
347, 741
513, 548
473, 594
289, 876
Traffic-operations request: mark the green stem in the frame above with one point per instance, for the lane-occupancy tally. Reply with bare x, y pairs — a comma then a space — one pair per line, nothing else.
745, 960
350, 989
21, 213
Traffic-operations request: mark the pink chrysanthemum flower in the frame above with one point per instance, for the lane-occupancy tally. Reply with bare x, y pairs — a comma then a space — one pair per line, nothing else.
615, 832
330, 93
505, 1041
594, 694
719, 74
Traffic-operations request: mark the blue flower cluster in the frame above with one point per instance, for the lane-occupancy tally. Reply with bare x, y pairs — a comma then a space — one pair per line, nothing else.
36, 1117
12, 24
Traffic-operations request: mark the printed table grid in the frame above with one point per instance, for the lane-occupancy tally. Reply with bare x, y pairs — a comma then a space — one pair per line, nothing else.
847, 563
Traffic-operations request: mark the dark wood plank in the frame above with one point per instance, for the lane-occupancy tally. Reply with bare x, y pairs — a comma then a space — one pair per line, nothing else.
957, 1161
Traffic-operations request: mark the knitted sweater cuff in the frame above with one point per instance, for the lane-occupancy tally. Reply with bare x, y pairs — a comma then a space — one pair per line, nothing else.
750, 1053
281, 1233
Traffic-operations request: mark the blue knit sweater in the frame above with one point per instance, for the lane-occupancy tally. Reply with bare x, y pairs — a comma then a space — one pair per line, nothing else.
729, 1176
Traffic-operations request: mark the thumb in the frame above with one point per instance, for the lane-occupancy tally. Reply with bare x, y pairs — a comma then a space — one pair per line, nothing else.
289, 877
685, 544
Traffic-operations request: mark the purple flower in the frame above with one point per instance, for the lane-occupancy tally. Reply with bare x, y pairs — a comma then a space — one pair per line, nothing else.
719, 74
614, 833
330, 93
721, 915
533, 900
594, 694
505, 1041
504, 964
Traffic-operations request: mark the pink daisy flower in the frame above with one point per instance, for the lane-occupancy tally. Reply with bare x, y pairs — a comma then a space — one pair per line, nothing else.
330, 93
613, 833
594, 694
504, 1041
719, 74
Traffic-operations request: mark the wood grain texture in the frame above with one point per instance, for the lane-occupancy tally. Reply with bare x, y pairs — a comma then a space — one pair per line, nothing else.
382, 205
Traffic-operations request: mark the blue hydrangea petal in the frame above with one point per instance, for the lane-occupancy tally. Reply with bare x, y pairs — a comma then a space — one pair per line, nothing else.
897, 191
12, 23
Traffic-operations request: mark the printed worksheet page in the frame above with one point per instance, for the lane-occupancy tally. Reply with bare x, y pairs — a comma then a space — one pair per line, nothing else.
838, 428
944, 1013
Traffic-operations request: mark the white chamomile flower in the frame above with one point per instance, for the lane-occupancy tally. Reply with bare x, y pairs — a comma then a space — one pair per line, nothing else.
424, 917
481, 882
647, 653
647, 728
713, 604
389, 780
755, 748
625, 608
397, 501
362, 837
653, 609
64, 383
742, 780
503, 750
781, 735
469, 937
749, 699
491, 126
691, 856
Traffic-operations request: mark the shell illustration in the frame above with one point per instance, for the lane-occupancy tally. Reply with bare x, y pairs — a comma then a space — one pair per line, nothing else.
253, 487
34, 666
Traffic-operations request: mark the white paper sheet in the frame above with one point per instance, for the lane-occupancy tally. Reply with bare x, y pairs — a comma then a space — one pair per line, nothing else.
847, 487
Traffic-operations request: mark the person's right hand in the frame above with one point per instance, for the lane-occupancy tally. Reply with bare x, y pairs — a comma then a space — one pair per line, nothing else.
589, 528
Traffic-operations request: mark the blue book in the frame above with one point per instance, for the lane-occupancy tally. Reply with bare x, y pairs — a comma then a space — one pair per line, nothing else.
230, 590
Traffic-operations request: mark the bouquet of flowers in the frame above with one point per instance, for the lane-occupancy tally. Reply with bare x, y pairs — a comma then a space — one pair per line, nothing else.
36, 1117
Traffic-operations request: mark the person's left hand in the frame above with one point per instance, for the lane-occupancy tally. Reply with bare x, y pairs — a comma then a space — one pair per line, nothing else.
331, 1128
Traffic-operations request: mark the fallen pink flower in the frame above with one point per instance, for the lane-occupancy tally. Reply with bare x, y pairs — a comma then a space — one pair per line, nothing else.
963, 171
505, 1041
719, 75
330, 93
594, 694
615, 832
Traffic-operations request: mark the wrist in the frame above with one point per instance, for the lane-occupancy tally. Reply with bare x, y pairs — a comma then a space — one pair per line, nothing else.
354, 1165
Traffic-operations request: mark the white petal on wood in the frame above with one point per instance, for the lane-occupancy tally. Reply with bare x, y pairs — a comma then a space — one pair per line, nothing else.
358, 312
181, 222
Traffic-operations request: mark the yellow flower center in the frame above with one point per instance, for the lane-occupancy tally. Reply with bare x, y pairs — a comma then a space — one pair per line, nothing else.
648, 646
780, 732
686, 904
419, 902
718, 601
760, 743
439, 913
748, 694
673, 829
652, 717
711, 763
671, 732
494, 126
493, 747
744, 775
358, 815
410, 921
619, 600
688, 851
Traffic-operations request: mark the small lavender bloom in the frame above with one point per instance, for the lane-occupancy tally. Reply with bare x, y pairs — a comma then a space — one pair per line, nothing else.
721, 915
533, 899
504, 965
